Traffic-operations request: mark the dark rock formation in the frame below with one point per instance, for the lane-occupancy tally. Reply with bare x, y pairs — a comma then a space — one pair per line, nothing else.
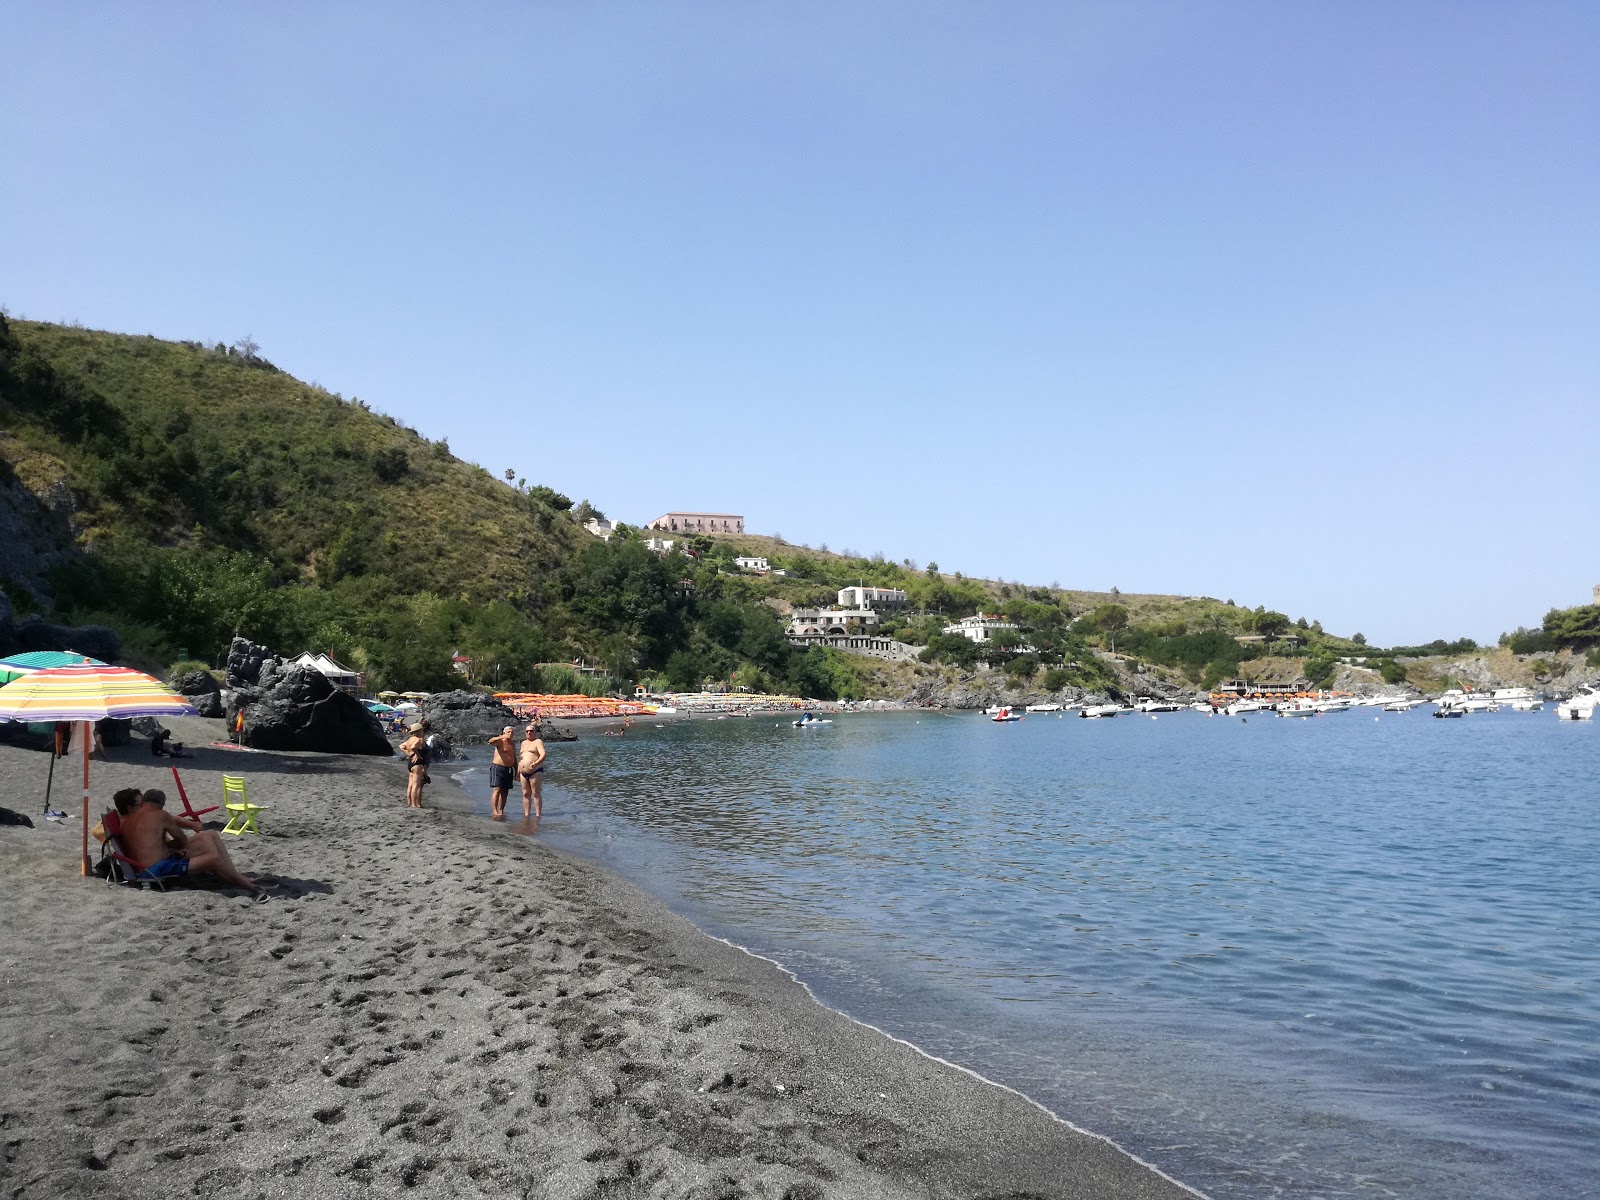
200, 689
467, 718
32, 633
245, 660
301, 710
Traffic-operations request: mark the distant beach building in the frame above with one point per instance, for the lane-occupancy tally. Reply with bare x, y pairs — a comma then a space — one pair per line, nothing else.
752, 563
601, 528
341, 677
693, 522
979, 628
873, 597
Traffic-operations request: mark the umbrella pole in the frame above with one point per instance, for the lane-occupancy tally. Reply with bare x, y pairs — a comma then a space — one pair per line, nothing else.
55, 753
88, 741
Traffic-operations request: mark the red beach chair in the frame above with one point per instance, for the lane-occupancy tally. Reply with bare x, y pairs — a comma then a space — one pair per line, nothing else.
194, 814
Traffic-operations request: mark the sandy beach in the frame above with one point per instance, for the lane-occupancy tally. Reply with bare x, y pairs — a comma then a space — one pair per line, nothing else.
434, 1004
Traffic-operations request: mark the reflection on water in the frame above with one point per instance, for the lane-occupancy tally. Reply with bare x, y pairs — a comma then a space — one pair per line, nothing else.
1283, 957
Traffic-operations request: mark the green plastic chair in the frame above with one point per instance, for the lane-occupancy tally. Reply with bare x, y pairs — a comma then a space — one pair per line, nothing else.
241, 813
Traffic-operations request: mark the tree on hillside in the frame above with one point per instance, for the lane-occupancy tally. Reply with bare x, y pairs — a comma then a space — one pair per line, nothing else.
247, 347
1271, 625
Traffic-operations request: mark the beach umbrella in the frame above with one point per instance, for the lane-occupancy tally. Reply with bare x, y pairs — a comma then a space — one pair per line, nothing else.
378, 706
19, 665
388, 695
86, 694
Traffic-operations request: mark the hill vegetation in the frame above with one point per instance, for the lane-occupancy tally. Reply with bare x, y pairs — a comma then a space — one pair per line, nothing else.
188, 492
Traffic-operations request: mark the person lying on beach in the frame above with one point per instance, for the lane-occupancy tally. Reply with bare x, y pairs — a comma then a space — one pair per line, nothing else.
161, 847
505, 759
530, 765
162, 745
417, 756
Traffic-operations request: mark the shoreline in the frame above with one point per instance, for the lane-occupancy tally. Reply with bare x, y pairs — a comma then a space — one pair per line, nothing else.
429, 1002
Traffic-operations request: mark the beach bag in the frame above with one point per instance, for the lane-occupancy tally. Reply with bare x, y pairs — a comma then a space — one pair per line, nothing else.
98, 833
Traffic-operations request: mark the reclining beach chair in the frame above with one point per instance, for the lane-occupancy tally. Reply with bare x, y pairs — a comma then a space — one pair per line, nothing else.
242, 814
118, 866
189, 810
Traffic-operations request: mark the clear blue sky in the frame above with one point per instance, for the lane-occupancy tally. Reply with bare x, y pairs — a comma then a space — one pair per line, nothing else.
1297, 304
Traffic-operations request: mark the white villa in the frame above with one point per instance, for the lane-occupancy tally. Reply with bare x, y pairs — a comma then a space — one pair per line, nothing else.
697, 522
660, 545
805, 622
979, 628
601, 528
751, 563
872, 597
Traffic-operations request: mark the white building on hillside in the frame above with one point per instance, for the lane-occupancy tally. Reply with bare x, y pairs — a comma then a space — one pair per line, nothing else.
660, 545
811, 621
601, 528
872, 597
979, 628
695, 522
752, 563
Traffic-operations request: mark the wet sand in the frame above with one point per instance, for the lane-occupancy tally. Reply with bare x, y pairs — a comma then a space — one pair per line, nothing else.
430, 1005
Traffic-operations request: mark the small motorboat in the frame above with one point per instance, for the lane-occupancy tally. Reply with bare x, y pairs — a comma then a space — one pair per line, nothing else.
1527, 706
1043, 708
1149, 704
1005, 714
809, 719
1449, 710
1580, 707
1094, 712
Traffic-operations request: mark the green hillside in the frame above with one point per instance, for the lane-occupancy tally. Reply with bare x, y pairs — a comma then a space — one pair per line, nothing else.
182, 493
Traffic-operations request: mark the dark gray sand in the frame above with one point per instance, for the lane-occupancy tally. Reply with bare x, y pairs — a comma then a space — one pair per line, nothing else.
432, 1005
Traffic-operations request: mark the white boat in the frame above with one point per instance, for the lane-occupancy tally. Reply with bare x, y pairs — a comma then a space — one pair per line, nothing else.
1043, 708
1246, 707
1149, 704
1096, 711
1580, 707
1300, 708
1527, 706
1469, 702
1204, 706
1404, 705
1005, 714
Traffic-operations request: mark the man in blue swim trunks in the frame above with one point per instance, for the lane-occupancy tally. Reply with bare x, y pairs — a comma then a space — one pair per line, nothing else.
500, 777
161, 846
530, 765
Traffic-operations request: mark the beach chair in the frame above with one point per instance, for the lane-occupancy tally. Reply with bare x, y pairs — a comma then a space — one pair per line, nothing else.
189, 810
119, 868
242, 814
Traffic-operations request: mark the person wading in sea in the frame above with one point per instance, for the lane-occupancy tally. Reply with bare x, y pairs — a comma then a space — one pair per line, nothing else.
505, 760
530, 765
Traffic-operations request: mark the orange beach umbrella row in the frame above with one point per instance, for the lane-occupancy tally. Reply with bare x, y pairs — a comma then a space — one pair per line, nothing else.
88, 693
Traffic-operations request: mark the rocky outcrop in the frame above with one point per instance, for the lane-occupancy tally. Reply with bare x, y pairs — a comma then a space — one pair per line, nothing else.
200, 689
32, 633
246, 659
467, 718
299, 709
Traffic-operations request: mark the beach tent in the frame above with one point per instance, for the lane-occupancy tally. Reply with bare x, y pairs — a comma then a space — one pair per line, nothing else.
341, 677
85, 694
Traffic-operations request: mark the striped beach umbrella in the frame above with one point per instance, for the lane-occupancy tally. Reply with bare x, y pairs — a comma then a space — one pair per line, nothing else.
87, 693
39, 660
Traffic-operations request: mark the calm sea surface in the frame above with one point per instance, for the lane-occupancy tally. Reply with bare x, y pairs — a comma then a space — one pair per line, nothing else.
1328, 957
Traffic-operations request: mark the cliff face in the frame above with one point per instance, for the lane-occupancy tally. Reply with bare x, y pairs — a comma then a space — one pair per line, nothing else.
1558, 672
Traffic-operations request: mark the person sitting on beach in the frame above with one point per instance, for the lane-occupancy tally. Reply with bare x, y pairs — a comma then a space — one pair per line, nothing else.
162, 745
505, 759
164, 847
126, 800
530, 765
417, 756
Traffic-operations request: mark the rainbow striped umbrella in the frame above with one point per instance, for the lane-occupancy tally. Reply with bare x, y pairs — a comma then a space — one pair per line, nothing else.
88, 693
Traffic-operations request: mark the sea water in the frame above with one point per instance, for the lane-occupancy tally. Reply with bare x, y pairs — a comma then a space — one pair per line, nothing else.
1354, 955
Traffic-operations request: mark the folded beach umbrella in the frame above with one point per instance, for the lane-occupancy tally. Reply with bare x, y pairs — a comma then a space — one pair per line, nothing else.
38, 660
85, 694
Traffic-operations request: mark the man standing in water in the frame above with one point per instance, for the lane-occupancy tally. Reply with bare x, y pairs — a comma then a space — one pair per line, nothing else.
505, 758
530, 765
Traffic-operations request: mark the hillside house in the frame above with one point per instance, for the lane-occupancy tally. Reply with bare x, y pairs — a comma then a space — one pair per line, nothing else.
750, 562
979, 628
810, 622
693, 522
873, 597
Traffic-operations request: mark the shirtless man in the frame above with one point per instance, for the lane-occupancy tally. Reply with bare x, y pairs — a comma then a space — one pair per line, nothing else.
530, 765
145, 835
505, 759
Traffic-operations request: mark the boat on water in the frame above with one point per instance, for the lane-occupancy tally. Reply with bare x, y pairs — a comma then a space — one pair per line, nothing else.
1043, 708
1246, 707
1450, 711
1300, 708
1149, 704
1581, 706
1094, 712
807, 720
1404, 705
1527, 705
1005, 714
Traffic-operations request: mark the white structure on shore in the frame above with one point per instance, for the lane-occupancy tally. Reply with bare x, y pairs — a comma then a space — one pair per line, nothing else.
601, 528
660, 545
750, 562
809, 622
980, 628
872, 597
340, 676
